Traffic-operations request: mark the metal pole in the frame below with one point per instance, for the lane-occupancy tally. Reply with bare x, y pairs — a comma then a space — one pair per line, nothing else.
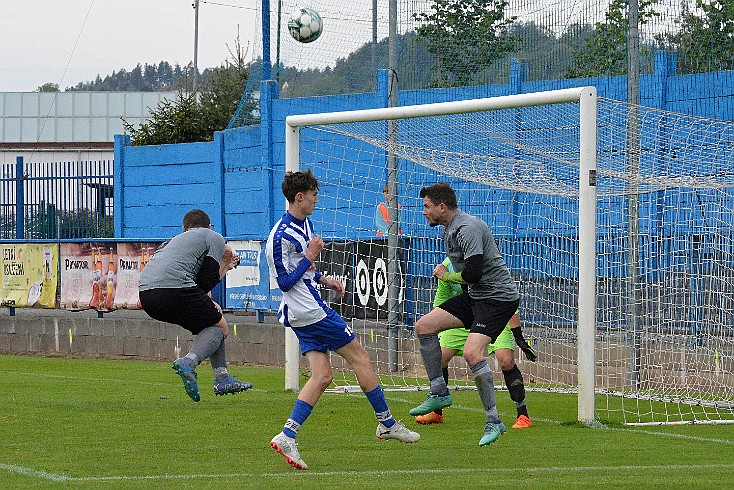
374, 39
19, 199
277, 41
196, 45
266, 39
393, 267
292, 349
633, 168
587, 255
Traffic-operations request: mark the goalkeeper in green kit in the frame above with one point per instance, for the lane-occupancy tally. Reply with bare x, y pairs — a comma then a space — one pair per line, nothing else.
452, 344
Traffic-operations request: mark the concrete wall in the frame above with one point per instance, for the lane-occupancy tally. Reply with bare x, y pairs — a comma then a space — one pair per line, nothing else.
131, 334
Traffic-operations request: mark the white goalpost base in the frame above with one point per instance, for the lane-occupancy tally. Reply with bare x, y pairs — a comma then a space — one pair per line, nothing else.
621, 313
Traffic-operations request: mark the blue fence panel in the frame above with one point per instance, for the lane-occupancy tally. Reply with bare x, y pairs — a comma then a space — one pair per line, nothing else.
56, 200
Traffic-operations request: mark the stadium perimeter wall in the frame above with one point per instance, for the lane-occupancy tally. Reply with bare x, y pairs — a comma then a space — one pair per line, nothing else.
131, 334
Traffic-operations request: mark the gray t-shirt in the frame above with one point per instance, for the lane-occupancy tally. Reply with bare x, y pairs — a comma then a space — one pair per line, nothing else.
467, 236
177, 262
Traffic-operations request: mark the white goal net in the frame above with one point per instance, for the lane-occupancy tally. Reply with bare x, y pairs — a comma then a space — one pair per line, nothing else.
660, 347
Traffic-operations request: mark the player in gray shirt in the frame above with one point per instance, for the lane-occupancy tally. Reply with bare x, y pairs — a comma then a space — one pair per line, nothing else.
175, 288
490, 300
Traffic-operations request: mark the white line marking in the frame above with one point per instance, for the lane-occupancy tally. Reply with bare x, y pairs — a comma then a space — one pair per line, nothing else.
108, 380
551, 421
31, 472
304, 474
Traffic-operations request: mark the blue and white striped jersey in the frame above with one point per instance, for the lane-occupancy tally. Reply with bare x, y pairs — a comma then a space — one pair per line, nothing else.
295, 274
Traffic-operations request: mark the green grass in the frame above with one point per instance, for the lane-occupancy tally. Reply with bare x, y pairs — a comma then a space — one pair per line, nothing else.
88, 423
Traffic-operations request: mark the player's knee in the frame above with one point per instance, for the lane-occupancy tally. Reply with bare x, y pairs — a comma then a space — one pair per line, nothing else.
514, 383
323, 380
421, 327
506, 361
222, 325
362, 360
472, 356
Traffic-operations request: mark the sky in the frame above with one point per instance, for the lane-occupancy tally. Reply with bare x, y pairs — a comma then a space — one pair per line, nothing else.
71, 41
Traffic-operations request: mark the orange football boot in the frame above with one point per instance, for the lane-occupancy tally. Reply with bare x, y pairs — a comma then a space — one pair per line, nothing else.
523, 422
430, 418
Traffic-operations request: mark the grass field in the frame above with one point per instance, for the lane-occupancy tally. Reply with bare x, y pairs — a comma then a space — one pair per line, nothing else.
87, 423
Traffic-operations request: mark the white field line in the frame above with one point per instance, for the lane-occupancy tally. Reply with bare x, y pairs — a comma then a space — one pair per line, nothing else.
174, 380
551, 421
305, 474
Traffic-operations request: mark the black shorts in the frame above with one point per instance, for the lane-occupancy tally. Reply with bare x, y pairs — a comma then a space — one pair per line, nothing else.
486, 316
189, 307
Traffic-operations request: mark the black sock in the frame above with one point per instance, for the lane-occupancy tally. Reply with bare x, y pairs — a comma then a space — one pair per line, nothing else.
523, 410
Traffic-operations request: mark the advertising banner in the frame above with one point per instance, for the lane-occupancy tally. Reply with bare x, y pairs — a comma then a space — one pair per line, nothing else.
248, 284
336, 261
102, 276
371, 280
362, 268
84, 271
29, 275
131, 260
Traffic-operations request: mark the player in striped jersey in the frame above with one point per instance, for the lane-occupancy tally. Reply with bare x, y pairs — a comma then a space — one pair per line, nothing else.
292, 249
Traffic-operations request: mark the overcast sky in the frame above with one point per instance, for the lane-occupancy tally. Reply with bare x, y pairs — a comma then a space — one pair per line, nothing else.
72, 41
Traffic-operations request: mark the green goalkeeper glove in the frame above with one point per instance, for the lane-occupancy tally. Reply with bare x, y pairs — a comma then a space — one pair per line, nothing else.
523, 344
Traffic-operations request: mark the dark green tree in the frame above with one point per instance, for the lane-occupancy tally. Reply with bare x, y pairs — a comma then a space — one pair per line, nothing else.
604, 50
225, 86
465, 37
196, 116
178, 121
48, 87
705, 40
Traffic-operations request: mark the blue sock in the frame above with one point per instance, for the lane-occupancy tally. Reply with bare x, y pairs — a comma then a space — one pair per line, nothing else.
377, 399
301, 411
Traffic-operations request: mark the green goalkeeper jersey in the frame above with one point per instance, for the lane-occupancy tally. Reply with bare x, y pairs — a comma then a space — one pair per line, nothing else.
446, 290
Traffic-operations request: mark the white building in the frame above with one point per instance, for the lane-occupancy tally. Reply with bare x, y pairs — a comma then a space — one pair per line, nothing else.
69, 126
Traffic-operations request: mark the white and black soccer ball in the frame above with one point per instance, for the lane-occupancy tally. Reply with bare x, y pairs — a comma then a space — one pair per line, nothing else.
305, 25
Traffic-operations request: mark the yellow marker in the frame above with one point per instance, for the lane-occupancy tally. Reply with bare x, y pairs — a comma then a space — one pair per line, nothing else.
372, 335
70, 336
234, 329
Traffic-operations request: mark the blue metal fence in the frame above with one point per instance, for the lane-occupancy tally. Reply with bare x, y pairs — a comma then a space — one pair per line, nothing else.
56, 200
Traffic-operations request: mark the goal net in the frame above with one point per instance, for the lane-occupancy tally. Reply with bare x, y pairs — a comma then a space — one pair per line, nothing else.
626, 275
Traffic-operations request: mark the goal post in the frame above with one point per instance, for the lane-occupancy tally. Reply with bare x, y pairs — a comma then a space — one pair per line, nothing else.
586, 99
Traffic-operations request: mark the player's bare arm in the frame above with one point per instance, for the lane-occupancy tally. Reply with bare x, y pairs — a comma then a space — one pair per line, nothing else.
333, 284
230, 260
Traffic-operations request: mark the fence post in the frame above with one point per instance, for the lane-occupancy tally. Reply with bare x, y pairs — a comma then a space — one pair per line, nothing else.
665, 65
118, 183
268, 93
19, 200
518, 74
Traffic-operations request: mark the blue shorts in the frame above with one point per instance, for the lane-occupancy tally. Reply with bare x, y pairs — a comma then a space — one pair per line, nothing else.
331, 333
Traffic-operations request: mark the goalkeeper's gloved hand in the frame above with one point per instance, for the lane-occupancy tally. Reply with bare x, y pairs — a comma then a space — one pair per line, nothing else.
523, 344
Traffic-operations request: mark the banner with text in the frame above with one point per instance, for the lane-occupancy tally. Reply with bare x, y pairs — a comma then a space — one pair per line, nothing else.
102, 276
29, 275
247, 285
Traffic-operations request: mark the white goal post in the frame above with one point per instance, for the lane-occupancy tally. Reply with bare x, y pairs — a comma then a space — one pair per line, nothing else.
586, 99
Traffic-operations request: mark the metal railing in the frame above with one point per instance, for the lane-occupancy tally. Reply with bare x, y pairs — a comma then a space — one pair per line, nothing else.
56, 200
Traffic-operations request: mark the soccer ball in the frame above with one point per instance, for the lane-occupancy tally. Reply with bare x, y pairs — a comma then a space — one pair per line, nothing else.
305, 25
